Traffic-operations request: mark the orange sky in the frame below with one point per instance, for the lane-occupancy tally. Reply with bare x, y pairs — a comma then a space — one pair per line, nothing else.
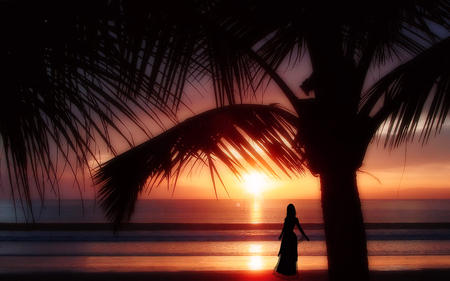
424, 173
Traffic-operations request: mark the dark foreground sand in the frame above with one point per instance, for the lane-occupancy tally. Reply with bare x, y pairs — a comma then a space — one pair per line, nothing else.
313, 275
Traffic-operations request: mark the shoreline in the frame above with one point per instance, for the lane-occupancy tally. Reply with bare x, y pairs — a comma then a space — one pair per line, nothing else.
122, 264
262, 275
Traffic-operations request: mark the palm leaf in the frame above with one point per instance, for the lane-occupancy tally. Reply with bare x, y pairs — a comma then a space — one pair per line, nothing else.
216, 135
416, 88
68, 78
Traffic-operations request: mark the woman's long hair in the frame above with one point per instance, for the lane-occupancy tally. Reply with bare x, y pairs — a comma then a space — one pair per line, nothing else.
290, 211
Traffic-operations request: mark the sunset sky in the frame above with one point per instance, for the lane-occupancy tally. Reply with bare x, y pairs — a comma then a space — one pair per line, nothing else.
415, 173
406, 172
411, 172
423, 172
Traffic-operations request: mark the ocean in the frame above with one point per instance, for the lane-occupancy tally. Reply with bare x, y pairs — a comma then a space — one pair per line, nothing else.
214, 235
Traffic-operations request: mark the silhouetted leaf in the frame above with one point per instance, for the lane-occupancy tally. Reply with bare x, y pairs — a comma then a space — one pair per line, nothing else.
417, 88
231, 135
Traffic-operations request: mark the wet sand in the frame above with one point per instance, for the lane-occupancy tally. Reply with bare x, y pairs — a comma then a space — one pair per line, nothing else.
207, 268
263, 275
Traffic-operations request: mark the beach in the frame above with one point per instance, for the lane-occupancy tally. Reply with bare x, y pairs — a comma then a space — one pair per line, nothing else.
179, 240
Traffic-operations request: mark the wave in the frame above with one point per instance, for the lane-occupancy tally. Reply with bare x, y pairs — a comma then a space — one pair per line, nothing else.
175, 232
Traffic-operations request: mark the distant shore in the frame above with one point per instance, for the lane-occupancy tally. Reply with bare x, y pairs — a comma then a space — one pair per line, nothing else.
308, 275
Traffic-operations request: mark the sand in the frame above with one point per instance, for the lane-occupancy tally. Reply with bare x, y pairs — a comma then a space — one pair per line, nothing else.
61, 268
309, 275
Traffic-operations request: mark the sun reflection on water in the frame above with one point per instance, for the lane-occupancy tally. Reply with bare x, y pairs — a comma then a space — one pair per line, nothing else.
255, 215
255, 248
255, 263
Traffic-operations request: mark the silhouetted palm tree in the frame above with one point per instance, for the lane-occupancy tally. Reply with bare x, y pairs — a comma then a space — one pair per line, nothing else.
156, 47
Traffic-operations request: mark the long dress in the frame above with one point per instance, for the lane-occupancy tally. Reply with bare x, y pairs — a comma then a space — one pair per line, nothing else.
288, 255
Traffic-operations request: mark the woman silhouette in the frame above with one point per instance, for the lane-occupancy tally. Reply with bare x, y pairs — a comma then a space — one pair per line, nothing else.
287, 262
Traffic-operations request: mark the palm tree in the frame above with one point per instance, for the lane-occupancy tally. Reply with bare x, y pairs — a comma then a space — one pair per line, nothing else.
239, 44
150, 50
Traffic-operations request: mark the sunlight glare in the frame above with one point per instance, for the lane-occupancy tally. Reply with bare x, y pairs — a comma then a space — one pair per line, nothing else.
255, 248
254, 183
255, 263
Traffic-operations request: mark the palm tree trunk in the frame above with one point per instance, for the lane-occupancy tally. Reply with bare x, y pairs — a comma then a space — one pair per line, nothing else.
335, 145
344, 226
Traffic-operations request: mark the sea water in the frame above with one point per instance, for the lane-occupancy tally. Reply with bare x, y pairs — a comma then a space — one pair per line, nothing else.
181, 230
226, 211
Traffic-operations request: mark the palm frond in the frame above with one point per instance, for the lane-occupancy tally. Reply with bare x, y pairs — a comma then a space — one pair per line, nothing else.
397, 29
417, 88
68, 77
217, 135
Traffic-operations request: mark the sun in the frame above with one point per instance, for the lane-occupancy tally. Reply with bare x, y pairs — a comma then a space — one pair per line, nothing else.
254, 183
